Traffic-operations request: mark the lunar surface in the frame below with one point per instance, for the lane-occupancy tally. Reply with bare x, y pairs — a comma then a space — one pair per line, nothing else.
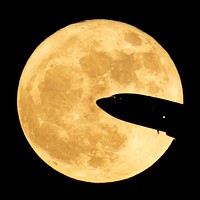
61, 82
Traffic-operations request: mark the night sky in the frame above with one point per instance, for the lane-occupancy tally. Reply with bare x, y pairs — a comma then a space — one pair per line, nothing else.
175, 28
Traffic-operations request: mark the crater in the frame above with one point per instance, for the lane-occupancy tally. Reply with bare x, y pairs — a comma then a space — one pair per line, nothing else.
133, 38
59, 91
96, 64
151, 61
124, 68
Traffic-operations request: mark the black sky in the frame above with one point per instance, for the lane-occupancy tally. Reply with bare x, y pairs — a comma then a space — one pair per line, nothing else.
175, 28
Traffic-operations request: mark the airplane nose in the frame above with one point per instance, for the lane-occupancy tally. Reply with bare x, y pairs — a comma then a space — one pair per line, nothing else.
99, 102
102, 102
109, 105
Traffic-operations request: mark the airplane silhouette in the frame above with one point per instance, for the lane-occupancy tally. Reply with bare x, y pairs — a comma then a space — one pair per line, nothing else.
156, 113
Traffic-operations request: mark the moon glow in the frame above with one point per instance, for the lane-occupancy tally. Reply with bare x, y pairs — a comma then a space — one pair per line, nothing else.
61, 82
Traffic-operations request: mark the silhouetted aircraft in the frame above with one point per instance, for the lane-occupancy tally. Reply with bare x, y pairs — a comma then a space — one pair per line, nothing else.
156, 113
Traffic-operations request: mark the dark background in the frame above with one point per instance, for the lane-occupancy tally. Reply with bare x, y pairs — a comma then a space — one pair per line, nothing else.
175, 28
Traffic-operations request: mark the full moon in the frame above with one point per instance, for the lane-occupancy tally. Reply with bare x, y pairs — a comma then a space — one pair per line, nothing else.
59, 86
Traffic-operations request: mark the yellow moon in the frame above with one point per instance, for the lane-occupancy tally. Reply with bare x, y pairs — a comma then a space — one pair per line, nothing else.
59, 86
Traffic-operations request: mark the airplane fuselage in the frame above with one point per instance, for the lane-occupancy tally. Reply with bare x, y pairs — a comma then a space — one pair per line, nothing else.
156, 113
